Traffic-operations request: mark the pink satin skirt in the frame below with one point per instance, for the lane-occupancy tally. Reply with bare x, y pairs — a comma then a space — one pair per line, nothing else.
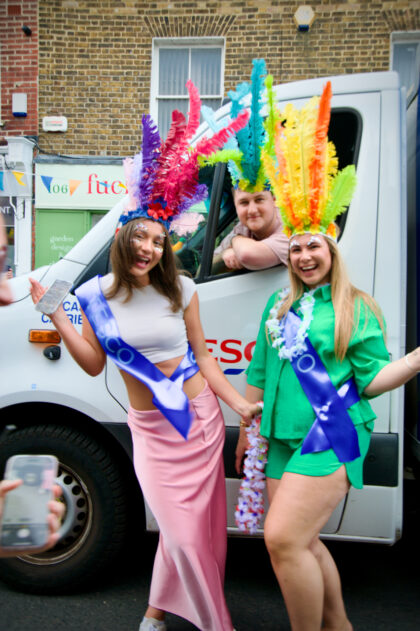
184, 484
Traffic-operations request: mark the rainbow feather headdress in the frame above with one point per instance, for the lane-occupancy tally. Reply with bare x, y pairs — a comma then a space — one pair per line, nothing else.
162, 180
243, 152
310, 191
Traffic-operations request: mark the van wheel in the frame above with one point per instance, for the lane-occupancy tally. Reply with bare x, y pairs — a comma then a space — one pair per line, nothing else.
95, 494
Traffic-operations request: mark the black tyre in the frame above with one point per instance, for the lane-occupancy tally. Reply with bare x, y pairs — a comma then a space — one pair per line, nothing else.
95, 492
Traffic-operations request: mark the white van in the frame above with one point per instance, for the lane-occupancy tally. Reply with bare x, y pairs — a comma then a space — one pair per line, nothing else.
48, 404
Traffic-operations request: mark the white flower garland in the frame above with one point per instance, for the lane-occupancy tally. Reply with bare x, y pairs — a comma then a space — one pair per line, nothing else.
250, 507
276, 327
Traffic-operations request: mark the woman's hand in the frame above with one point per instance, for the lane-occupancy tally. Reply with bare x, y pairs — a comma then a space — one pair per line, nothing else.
249, 410
37, 291
395, 374
241, 448
85, 349
413, 360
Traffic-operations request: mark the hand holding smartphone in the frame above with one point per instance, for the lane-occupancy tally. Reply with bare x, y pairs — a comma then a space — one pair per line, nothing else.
53, 297
24, 520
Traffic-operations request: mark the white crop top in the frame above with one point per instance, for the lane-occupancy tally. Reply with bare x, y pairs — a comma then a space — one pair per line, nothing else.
147, 322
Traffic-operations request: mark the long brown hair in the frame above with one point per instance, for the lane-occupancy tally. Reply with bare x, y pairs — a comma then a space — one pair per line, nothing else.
164, 276
345, 297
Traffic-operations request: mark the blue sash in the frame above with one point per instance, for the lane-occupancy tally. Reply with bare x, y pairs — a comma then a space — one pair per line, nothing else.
333, 427
168, 395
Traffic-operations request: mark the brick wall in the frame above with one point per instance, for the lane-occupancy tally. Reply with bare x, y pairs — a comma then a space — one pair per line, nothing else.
95, 56
18, 65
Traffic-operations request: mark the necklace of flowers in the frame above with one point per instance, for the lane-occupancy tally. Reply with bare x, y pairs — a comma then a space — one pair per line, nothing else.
250, 507
275, 326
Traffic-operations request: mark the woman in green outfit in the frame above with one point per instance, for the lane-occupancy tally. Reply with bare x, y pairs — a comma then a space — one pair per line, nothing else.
320, 355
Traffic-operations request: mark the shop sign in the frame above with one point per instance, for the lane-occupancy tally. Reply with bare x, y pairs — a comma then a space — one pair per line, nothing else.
78, 186
7, 210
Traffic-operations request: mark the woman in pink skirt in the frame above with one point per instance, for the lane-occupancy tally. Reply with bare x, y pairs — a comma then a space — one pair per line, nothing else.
145, 315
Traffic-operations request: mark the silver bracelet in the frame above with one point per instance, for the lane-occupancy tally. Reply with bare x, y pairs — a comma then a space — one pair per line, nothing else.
409, 365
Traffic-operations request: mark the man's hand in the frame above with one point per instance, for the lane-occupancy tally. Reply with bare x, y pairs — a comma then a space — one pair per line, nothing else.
230, 260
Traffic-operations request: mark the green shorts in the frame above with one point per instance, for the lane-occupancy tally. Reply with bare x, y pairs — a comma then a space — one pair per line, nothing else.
285, 455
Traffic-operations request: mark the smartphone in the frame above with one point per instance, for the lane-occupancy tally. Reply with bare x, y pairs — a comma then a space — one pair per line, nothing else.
53, 297
25, 509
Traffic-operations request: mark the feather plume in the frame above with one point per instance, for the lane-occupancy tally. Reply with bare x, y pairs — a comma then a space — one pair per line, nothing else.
150, 152
208, 116
252, 141
309, 191
194, 111
176, 145
230, 145
175, 134
317, 167
306, 124
136, 178
219, 139
162, 180
186, 223
272, 118
341, 194
242, 89
224, 155
169, 152
128, 174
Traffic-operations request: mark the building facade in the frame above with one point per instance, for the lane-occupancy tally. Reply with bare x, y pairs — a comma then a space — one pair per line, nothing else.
18, 118
103, 63
100, 64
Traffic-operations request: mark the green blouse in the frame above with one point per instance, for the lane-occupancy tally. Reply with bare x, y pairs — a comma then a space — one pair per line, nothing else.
287, 413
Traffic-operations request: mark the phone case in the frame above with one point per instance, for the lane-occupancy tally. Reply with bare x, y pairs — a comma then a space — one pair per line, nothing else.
53, 297
25, 509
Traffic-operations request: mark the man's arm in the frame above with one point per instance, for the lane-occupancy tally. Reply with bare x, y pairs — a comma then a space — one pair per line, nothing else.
253, 254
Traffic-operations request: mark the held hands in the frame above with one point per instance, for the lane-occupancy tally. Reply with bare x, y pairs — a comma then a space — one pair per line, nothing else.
249, 410
54, 518
253, 409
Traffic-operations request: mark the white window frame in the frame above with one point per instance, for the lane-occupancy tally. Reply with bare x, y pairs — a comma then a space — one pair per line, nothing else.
160, 43
405, 37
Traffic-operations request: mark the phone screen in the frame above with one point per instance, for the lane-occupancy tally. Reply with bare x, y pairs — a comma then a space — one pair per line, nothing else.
25, 509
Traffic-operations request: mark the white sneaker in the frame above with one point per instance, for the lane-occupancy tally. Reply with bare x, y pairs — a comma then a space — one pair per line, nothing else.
151, 624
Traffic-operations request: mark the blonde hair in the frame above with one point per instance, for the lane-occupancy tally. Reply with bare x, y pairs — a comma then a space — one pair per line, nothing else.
164, 276
345, 297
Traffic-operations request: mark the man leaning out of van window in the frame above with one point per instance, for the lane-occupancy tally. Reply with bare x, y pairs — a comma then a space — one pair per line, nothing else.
257, 241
